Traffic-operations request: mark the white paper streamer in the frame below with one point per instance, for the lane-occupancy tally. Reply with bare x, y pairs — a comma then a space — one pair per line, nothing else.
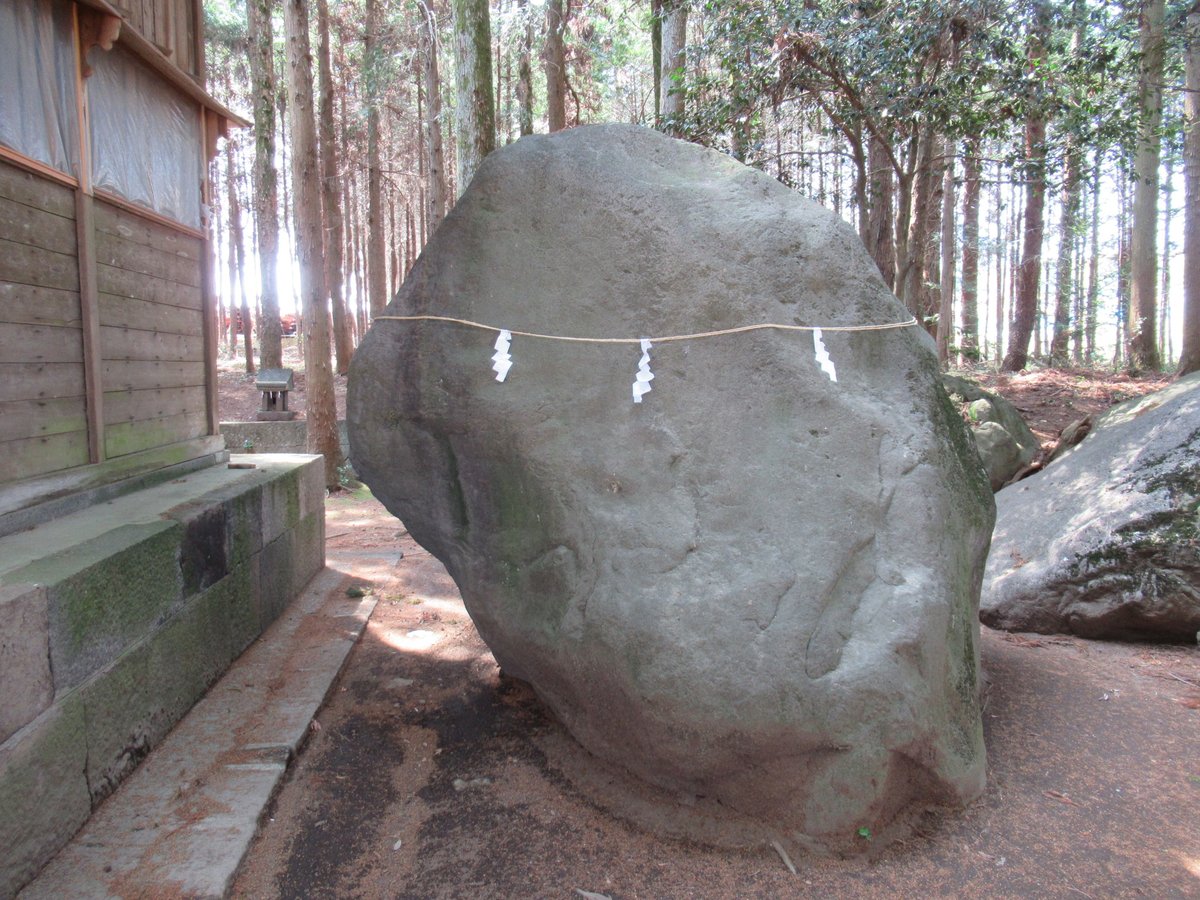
641, 384
502, 361
823, 359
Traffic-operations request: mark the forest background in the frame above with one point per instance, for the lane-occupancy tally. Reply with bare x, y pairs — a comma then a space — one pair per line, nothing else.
1025, 174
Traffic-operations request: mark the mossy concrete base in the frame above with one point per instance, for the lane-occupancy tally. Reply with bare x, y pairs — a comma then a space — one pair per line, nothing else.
24, 656
44, 795
142, 603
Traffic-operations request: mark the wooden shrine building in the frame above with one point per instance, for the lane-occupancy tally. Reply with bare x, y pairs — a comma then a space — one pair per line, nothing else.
134, 565
107, 340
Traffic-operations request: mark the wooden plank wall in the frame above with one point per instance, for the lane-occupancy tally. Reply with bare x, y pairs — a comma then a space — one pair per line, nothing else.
151, 332
43, 411
169, 24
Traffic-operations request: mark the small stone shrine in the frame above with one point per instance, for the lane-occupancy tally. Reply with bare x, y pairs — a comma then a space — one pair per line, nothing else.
275, 385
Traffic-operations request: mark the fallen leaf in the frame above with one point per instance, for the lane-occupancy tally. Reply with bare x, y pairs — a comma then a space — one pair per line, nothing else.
783, 854
1062, 798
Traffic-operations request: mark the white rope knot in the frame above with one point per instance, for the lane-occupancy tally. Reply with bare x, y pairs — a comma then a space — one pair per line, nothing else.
641, 383
502, 361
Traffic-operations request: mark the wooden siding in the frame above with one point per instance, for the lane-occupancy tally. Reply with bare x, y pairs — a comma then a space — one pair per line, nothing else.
43, 408
168, 24
151, 332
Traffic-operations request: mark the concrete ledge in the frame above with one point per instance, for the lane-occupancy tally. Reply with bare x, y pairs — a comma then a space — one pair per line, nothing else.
273, 437
118, 618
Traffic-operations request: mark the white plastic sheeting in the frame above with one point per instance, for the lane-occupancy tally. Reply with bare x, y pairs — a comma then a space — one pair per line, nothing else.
38, 115
146, 140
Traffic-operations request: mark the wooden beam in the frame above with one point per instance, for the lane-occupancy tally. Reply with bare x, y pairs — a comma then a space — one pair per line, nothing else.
208, 291
85, 240
201, 63
96, 29
89, 308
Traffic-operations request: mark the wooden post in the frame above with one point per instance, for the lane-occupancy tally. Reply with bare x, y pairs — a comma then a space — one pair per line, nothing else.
199, 62
210, 130
89, 310
85, 241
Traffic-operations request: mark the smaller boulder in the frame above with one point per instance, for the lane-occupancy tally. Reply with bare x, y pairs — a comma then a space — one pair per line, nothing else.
1070, 436
1004, 441
1002, 456
1105, 541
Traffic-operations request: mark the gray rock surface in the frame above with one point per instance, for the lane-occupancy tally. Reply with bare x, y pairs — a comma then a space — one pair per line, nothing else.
1003, 439
758, 586
1104, 541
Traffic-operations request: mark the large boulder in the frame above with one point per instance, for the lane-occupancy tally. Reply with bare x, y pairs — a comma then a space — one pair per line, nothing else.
758, 585
1003, 439
1104, 541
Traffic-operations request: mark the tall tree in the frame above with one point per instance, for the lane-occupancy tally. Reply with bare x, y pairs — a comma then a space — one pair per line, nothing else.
556, 67
435, 162
1072, 192
1092, 303
673, 88
525, 71
1189, 359
876, 208
476, 105
266, 195
1025, 303
331, 206
972, 184
373, 76
922, 220
1143, 253
945, 326
238, 253
656, 34
321, 411
1065, 268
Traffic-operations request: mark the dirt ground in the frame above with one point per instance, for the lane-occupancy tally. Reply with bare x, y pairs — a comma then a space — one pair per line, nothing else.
1051, 399
431, 775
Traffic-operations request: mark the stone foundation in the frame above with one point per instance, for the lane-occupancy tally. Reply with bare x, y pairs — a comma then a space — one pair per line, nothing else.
115, 620
273, 437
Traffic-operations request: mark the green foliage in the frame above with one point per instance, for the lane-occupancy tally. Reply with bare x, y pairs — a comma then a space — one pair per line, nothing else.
881, 68
225, 22
226, 46
891, 68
